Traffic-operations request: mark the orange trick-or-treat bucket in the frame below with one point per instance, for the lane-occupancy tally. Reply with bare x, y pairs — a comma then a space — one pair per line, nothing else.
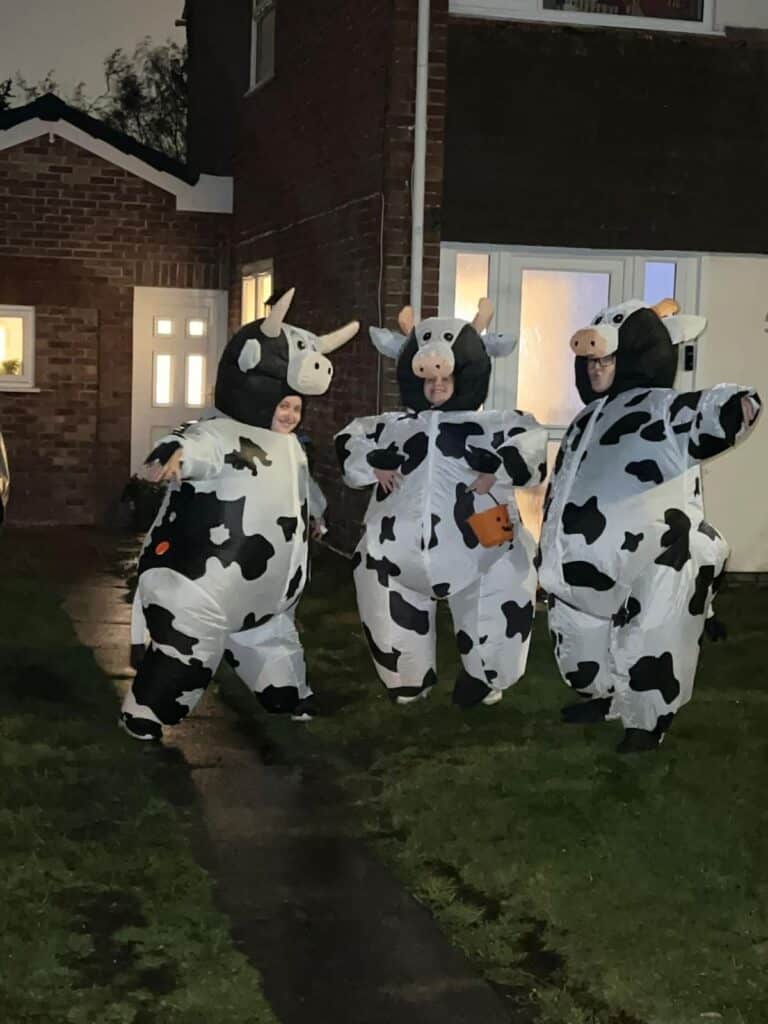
492, 527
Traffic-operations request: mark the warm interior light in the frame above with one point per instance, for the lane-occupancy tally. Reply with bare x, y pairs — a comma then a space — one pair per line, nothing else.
196, 380
163, 327
196, 328
163, 368
3, 337
471, 283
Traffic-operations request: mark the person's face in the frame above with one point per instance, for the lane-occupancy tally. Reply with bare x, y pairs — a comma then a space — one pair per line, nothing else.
438, 390
601, 373
287, 415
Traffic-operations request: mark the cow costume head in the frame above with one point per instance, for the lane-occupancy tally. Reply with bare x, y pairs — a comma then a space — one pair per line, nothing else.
269, 359
443, 347
642, 338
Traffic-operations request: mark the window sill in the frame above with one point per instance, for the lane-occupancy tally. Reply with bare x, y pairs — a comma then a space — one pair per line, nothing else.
26, 389
258, 86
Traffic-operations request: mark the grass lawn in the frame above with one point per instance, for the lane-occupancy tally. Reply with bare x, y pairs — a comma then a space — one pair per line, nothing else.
590, 888
106, 917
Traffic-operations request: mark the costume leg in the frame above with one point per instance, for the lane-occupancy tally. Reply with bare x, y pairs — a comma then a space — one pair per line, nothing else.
399, 625
270, 661
187, 630
582, 649
656, 638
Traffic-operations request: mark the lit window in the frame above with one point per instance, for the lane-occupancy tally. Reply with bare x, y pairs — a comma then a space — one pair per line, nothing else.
163, 379
17, 347
196, 328
256, 289
262, 42
195, 396
471, 283
670, 10
163, 327
659, 281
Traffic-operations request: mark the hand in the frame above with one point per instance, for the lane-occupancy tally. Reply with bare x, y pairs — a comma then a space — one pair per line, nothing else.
157, 473
389, 479
483, 483
748, 411
317, 528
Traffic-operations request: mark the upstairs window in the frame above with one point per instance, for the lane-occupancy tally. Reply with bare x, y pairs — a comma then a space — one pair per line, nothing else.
17, 348
262, 42
672, 15
672, 10
256, 289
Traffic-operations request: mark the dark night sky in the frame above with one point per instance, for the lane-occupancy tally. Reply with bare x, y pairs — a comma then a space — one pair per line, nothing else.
72, 37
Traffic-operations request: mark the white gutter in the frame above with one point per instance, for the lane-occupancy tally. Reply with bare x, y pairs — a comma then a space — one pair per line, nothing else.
419, 159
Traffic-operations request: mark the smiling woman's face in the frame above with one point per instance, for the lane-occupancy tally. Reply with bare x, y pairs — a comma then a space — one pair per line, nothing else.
601, 373
438, 390
287, 415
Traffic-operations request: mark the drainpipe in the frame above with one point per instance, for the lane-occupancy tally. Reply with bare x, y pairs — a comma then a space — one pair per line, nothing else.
419, 158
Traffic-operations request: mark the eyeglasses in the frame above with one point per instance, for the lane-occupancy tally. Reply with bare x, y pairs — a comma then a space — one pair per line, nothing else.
602, 361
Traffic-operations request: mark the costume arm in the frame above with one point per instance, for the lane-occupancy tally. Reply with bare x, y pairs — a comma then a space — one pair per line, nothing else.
521, 447
317, 502
359, 451
711, 421
202, 451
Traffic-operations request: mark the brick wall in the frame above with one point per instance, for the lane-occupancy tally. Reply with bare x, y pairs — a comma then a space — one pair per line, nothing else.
565, 136
78, 234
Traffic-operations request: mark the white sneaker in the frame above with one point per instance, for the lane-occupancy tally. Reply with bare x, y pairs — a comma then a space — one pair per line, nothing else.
418, 696
493, 697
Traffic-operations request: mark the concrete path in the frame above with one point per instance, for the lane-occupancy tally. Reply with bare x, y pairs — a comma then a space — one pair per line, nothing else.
335, 937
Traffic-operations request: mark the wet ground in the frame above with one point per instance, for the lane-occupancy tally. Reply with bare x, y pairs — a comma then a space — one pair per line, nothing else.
333, 934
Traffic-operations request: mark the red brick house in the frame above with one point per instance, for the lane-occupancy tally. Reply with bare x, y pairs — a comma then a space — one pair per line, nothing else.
574, 152
104, 243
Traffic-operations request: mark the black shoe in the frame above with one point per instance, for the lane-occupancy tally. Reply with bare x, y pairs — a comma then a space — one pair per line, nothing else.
305, 710
636, 741
140, 728
715, 629
586, 711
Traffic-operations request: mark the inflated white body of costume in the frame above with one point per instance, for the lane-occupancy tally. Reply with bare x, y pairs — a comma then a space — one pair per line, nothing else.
627, 559
226, 560
417, 545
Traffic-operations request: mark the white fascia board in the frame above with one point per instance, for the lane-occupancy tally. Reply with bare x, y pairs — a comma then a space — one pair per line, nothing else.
211, 193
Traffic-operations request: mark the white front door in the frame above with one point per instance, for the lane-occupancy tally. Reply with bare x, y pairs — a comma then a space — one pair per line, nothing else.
178, 336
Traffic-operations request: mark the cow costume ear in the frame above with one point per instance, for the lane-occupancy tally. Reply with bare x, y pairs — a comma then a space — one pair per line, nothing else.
250, 355
498, 345
684, 328
389, 343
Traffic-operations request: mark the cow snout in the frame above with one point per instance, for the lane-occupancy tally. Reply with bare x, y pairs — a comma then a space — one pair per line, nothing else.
310, 373
433, 361
590, 342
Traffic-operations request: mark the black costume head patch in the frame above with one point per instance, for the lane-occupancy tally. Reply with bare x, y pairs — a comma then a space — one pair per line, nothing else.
269, 359
644, 340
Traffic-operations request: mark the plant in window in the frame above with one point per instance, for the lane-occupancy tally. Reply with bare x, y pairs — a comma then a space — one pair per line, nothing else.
11, 367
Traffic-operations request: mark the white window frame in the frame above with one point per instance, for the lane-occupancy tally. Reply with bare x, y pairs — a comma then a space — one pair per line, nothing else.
251, 271
260, 9
23, 381
533, 10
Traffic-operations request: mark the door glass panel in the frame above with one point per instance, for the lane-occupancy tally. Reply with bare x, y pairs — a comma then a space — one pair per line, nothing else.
163, 379
471, 283
659, 281
554, 304
195, 381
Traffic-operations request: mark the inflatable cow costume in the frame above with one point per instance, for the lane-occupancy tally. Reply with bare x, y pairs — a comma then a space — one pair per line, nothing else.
419, 543
225, 561
627, 559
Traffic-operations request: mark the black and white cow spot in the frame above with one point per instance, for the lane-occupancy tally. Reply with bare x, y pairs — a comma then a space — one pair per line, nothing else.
295, 583
433, 532
356, 560
415, 449
704, 580
647, 471
490, 675
376, 432
387, 529
452, 438
248, 456
288, 525
519, 619
305, 521
464, 642
482, 461
218, 535
383, 568
636, 399
386, 660
629, 424
463, 508
579, 426
628, 611
559, 459
515, 465
651, 673
731, 422
685, 400
708, 531
654, 431
583, 675
631, 541
182, 539
683, 428
161, 629
584, 574
441, 590
483, 639
676, 540
342, 452
406, 615
543, 471
586, 519
251, 622
162, 452
168, 686
697, 487
230, 659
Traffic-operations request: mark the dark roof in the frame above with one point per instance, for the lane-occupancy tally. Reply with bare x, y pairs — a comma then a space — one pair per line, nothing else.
50, 108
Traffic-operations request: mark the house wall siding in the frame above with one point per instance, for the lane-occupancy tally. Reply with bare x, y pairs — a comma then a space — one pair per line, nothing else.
605, 139
78, 234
